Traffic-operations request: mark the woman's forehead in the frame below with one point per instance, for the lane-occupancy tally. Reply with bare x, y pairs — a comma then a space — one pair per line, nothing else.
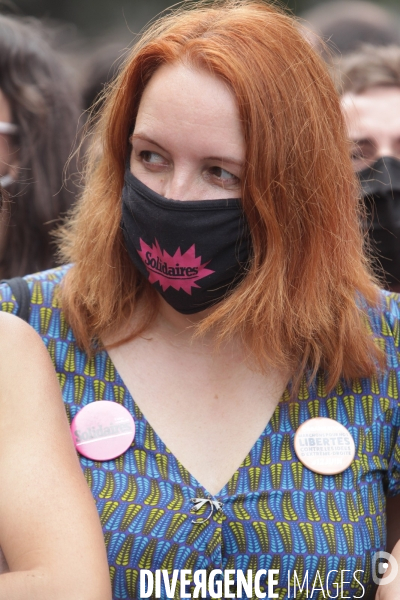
192, 104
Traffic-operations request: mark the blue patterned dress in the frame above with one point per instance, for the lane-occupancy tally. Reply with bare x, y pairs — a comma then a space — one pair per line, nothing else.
276, 514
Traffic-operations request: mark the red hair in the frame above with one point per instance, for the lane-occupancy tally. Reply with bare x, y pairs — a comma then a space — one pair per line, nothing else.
297, 305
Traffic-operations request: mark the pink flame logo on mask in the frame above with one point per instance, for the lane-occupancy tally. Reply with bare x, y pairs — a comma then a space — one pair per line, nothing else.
180, 271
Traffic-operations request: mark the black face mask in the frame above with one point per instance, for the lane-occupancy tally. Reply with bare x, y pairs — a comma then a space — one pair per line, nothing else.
381, 190
193, 252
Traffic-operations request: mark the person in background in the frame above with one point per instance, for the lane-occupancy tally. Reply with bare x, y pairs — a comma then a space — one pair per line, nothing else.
51, 543
344, 26
39, 110
369, 82
101, 68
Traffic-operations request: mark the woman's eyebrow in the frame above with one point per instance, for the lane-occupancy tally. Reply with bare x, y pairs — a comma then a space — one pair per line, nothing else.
142, 136
222, 159
226, 159
363, 140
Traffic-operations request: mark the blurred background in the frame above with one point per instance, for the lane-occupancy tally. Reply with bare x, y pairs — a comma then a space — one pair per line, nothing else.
94, 18
95, 33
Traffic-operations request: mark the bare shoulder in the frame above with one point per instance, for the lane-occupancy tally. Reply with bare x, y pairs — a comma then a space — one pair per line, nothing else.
41, 479
14, 331
26, 370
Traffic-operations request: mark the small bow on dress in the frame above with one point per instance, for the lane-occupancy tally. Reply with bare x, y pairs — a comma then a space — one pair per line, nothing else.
199, 503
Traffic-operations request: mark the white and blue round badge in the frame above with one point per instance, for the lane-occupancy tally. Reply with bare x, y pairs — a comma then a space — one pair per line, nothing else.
324, 446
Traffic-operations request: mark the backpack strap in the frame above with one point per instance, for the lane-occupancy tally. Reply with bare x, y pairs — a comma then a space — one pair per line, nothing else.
22, 294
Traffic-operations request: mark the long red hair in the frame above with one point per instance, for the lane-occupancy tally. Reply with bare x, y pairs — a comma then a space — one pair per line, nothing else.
298, 304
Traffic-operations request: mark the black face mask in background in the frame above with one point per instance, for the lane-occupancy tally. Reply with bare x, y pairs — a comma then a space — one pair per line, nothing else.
381, 190
193, 252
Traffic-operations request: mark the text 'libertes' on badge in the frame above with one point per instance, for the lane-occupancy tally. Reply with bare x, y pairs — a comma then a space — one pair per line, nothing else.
324, 446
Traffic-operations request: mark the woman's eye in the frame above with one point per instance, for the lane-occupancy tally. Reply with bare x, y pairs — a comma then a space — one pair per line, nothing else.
362, 155
152, 158
356, 153
224, 177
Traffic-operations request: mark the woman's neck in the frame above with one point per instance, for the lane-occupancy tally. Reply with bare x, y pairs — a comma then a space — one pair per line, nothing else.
177, 323
176, 328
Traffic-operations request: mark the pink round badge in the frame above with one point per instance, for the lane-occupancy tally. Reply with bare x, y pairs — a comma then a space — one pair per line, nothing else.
103, 430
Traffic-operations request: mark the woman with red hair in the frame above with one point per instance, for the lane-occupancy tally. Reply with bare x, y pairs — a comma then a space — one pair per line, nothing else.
219, 292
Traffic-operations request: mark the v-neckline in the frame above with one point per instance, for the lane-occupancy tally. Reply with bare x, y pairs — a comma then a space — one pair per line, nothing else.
223, 492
